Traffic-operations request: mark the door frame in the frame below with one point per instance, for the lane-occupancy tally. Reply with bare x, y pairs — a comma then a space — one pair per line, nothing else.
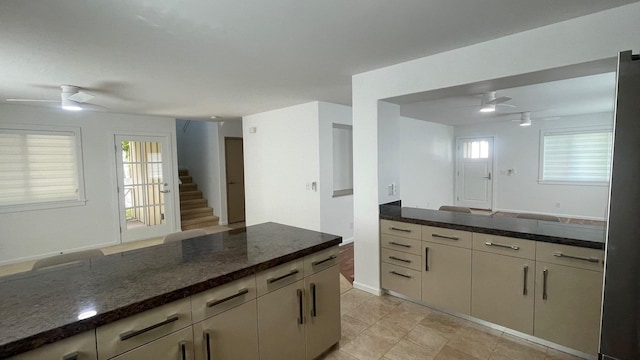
172, 159
456, 171
226, 171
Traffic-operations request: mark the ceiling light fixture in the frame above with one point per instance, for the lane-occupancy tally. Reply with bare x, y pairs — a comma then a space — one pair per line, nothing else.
525, 118
66, 103
486, 105
70, 105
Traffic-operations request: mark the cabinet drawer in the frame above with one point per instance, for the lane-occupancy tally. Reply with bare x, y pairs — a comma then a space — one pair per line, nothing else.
126, 334
411, 246
578, 257
402, 229
222, 298
447, 236
321, 260
279, 276
505, 245
401, 280
410, 261
178, 345
82, 345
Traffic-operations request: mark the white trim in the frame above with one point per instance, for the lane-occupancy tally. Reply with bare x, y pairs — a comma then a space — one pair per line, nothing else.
370, 289
346, 241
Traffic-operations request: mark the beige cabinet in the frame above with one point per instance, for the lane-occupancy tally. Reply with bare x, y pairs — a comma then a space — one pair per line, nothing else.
281, 323
229, 335
78, 347
323, 311
400, 258
178, 345
569, 282
446, 277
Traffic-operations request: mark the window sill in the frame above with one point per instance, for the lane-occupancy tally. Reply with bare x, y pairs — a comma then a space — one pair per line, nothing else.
41, 206
346, 192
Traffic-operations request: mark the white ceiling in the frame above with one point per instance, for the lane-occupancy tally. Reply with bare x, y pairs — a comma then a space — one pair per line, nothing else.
197, 58
581, 95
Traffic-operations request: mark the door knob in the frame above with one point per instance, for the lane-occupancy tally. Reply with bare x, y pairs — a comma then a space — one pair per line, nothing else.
488, 177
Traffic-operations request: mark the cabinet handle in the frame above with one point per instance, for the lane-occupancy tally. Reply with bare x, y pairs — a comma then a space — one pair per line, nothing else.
426, 259
398, 259
314, 310
524, 286
72, 356
513, 247
300, 312
183, 350
315, 263
400, 229
399, 244
403, 275
272, 280
589, 259
545, 274
132, 333
213, 303
207, 344
445, 237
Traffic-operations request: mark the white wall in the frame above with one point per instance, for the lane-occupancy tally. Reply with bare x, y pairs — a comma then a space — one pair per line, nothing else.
281, 158
33, 234
519, 147
388, 152
228, 128
336, 214
589, 38
426, 163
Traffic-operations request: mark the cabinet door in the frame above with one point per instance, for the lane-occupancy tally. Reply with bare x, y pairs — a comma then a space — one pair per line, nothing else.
178, 345
281, 327
83, 346
323, 311
446, 277
567, 306
502, 290
229, 335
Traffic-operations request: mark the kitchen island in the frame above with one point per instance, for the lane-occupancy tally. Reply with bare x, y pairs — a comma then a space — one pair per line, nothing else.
46, 306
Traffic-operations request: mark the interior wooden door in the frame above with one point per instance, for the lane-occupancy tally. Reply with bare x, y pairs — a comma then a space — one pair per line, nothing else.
234, 160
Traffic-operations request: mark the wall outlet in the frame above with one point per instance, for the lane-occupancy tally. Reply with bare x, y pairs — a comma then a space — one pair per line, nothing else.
253, 130
390, 189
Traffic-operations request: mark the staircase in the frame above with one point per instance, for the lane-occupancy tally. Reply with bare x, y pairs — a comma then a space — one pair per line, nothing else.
194, 212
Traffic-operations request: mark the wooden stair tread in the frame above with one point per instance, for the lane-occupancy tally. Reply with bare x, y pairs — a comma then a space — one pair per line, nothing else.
199, 220
199, 210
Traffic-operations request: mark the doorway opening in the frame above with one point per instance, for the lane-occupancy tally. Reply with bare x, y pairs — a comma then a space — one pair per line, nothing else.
234, 168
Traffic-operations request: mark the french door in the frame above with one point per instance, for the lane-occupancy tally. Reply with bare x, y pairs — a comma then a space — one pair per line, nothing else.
144, 167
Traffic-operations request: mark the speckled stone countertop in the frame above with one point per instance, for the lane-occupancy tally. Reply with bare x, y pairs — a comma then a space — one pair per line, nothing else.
590, 236
43, 306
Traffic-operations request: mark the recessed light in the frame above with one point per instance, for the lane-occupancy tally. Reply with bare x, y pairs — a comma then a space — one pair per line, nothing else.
214, 117
488, 108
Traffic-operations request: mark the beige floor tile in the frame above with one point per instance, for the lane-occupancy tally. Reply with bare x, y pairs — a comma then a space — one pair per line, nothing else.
351, 299
474, 342
401, 321
447, 325
367, 347
405, 350
386, 332
337, 354
427, 338
553, 354
449, 353
345, 285
351, 327
371, 311
514, 348
408, 306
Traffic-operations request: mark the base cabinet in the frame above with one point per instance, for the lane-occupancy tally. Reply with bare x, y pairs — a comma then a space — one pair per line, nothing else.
567, 306
323, 309
446, 280
78, 347
502, 290
178, 345
229, 335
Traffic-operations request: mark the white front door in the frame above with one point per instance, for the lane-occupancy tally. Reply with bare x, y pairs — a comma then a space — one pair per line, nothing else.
144, 168
474, 173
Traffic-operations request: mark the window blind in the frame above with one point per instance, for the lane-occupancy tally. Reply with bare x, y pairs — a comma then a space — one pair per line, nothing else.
38, 166
577, 156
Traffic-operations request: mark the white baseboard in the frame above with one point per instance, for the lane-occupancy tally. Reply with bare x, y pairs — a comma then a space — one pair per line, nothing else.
367, 288
346, 241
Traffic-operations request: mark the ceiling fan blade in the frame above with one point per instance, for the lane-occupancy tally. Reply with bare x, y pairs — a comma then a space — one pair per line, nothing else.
499, 100
81, 97
92, 107
32, 100
508, 105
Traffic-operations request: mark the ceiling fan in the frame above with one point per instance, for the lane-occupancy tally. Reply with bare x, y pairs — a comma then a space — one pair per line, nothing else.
524, 118
71, 99
490, 101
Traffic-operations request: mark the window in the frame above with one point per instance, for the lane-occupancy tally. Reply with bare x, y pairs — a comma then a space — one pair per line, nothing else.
40, 167
576, 156
342, 160
475, 149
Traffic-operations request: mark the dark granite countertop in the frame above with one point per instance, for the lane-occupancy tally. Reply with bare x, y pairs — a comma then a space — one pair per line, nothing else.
44, 306
590, 236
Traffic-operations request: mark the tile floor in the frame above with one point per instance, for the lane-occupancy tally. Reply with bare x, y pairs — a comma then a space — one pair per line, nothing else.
390, 328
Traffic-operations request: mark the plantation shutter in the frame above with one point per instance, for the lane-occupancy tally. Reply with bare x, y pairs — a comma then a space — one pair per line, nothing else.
577, 157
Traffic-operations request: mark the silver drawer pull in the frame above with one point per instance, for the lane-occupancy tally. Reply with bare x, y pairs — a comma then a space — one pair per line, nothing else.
445, 237
399, 244
272, 280
513, 247
398, 259
589, 259
403, 275
240, 292
400, 229
316, 263
72, 356
129, 334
